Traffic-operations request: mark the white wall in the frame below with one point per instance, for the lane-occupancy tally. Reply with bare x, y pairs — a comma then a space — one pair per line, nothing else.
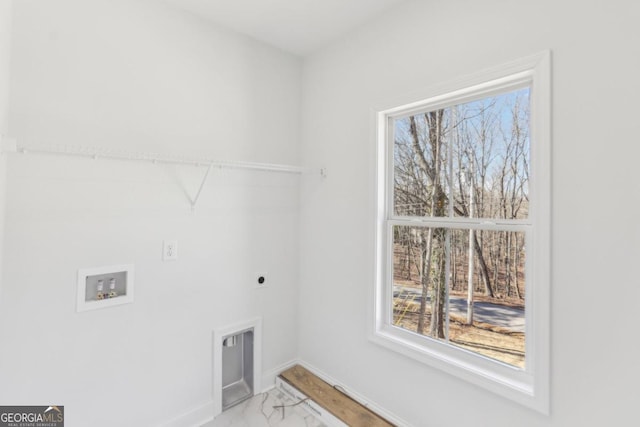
596, 63
139, 76
133, 75
5, 56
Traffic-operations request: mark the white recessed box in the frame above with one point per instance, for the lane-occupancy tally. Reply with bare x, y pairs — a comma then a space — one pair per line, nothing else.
102, 287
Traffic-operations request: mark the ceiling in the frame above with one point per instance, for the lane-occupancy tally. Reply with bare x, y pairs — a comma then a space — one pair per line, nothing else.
296, 26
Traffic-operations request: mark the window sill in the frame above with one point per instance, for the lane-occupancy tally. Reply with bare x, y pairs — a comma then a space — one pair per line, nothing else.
502, 379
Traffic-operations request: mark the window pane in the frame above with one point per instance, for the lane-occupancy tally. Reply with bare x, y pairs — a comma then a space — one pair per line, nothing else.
490, 168
419, 275
420, 153
495, 325
423, 280
468, 160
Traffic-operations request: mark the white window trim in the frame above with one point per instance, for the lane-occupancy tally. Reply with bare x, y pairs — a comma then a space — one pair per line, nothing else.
529, 387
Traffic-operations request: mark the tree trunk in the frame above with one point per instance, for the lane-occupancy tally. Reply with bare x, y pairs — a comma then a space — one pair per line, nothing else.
435, 241
425, 275
517, 267
439, 292
408, 255
484, 270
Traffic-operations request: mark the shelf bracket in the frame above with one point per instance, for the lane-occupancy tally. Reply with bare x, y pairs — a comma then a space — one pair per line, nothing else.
204, 180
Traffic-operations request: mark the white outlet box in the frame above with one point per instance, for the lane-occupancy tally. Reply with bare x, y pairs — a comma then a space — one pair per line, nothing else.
169, 250
91, 296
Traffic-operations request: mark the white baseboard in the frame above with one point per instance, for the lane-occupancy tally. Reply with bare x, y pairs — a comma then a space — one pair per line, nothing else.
269, 377
194, 418
204, 413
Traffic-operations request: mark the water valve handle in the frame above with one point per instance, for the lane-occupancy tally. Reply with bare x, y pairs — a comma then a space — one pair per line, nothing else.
112, 288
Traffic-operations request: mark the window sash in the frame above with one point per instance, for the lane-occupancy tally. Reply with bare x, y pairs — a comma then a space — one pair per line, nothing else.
461, 222
448, 357
388, 273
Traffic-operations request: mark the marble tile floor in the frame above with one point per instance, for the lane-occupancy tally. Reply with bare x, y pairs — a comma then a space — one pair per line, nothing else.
259, 411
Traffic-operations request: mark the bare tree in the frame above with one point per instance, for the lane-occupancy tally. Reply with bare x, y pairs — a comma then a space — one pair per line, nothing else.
427, 147
470, 160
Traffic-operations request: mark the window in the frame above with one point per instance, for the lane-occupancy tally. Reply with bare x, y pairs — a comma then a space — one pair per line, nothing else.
463, 230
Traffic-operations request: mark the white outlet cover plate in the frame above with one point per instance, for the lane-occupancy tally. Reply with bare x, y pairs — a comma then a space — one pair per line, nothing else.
169, 250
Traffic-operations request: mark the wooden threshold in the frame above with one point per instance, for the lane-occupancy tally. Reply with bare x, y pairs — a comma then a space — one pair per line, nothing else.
331, 399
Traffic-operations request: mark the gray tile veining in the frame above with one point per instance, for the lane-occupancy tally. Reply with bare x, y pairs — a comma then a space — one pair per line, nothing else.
259, 411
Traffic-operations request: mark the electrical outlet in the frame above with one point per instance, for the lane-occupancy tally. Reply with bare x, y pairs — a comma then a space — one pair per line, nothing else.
261, 279
169, 250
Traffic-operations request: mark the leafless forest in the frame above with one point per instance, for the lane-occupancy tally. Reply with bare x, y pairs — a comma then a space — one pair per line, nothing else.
468, 164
